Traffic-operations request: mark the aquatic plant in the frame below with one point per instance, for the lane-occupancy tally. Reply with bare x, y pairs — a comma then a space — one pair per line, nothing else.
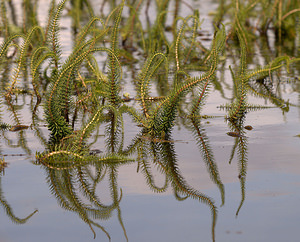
75, 94
263, 16
241, 78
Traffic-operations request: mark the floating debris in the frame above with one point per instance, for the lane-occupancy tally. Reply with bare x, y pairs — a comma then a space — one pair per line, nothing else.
234, 134
206, 39
248, 127
16, 128
95, 152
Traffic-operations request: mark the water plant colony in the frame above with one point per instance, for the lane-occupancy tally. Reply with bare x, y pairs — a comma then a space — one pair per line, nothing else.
74, 96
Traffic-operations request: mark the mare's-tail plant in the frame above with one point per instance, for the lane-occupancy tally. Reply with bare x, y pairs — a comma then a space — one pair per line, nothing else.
59, 101
262, 17
239, 107
160, 119
242, 76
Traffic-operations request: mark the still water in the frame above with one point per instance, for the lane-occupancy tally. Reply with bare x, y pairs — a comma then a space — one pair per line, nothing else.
269, 213
261, 204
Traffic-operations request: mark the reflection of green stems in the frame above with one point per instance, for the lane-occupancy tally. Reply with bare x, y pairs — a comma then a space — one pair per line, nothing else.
9, 210
164, 157
162, 154
265, 91
233, 150
207, 154
22, 142
64, 185
179, 183
114, 193
69, 179
241, 145
34, 125
145, 168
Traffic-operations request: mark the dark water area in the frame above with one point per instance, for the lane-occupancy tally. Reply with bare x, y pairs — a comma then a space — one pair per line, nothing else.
163, 188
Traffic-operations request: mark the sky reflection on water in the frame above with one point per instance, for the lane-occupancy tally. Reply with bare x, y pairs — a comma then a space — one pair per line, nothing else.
270, 211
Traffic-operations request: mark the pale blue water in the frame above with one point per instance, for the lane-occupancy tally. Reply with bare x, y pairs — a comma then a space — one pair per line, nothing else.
270, 212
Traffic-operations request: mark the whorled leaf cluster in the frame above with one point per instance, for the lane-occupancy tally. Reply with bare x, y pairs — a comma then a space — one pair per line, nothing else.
79, 94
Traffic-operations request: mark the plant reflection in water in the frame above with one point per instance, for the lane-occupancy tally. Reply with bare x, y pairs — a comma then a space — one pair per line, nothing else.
74, 88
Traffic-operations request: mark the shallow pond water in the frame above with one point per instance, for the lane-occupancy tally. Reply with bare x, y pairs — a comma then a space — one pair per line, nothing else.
269, 213
258, 199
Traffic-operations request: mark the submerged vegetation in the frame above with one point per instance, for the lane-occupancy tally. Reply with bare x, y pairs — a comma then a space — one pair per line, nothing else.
75, 93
